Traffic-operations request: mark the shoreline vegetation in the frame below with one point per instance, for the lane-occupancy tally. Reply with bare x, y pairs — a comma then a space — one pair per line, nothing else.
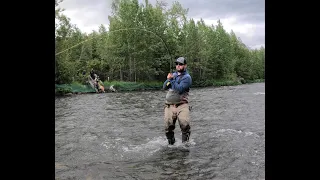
138, 47
122, 86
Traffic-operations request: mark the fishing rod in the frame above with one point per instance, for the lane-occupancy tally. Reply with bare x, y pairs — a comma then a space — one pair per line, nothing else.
124, 29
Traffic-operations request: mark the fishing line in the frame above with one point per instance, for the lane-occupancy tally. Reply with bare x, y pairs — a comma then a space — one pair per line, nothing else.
122, 30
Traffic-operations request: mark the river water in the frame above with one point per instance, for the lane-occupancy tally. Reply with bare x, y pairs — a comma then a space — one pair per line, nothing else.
121, 136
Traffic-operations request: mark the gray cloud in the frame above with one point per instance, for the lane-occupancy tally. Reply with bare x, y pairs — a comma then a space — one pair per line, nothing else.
245, 11
95, 12
249, 10
89, 12
255, 40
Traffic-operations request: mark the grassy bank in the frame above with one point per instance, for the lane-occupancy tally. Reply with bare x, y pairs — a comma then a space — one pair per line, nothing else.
120, 86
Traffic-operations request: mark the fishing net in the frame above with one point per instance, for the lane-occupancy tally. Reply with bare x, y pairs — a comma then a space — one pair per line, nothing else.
74, 88
132, 86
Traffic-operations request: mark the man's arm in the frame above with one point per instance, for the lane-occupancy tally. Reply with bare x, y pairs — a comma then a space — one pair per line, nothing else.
170, 80
166, 84
185, 83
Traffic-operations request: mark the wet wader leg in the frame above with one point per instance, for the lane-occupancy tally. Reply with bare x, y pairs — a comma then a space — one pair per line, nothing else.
184, 122
170, 121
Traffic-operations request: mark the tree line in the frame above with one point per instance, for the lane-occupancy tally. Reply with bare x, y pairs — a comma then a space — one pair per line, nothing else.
142, 43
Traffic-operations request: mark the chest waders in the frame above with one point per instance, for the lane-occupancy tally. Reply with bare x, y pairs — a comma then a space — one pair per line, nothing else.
185, 127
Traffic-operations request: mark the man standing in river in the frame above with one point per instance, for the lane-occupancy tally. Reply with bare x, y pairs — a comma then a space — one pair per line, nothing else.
176, 106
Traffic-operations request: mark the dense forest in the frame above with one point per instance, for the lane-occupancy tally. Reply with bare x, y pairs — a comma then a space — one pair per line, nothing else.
142, 42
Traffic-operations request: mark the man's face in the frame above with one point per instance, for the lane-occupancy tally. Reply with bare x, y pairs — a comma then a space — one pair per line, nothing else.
180, 67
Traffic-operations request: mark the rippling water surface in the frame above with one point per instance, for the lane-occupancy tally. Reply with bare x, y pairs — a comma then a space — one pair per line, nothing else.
121, 136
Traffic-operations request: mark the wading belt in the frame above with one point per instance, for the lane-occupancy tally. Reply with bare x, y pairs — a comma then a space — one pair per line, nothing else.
176, 105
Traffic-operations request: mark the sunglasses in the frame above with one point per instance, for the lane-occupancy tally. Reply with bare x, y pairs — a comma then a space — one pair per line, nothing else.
180, 64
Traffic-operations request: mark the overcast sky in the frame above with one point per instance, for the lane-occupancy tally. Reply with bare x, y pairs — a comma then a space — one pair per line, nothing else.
244, 17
